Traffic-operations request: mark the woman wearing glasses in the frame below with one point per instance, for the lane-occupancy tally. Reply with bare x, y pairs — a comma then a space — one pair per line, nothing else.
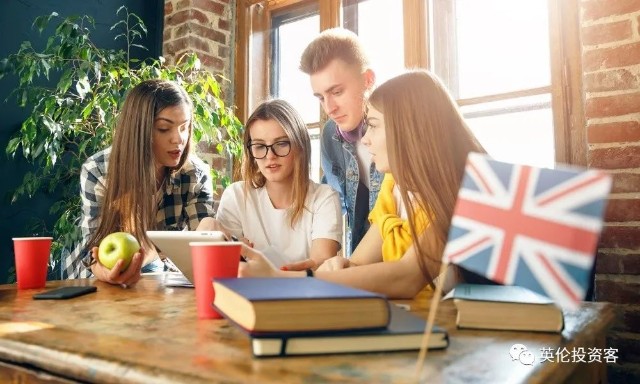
417, 134
277, 208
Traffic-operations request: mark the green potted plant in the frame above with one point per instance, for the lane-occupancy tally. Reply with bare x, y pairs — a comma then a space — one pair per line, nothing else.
72, 117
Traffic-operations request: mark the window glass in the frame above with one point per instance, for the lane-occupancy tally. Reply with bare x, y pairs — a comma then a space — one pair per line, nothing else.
482, 48
476, 54
292, 84
502, 46
379, 27
516, 131
315, 154
291, 34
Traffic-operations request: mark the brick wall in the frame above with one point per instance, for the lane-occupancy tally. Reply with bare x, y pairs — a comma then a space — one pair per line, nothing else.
204, 27
611, 66
207, 28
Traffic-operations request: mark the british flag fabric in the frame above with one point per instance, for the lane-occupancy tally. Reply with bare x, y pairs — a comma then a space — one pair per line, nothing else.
533, 227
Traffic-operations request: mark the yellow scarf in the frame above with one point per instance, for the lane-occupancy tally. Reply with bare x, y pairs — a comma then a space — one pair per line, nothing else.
395, 231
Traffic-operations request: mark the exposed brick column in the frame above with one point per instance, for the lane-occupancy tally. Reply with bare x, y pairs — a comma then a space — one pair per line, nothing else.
205, 27
611, 70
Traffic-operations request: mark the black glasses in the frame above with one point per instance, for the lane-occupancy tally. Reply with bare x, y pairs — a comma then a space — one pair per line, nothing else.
279, 148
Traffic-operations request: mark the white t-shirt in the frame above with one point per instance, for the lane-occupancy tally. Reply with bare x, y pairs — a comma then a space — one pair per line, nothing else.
364, 162
269, 229
401, 209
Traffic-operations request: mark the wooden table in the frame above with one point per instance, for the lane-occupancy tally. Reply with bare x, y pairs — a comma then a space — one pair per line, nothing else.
150, 334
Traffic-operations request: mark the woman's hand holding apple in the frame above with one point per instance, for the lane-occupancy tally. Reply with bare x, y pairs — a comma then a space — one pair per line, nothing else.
120, 274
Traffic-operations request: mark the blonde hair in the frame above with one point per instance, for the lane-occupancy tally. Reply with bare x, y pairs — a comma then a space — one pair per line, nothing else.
296, 130
334, 43
428, 143
129, 203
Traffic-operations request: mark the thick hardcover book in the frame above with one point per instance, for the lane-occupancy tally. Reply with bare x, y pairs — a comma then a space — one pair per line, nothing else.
262, 305
404, 333
505, 307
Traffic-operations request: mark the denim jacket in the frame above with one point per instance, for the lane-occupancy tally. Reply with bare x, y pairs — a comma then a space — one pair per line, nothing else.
340, 170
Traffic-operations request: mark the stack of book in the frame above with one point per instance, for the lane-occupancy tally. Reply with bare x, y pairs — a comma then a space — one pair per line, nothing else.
306, 316
505, 307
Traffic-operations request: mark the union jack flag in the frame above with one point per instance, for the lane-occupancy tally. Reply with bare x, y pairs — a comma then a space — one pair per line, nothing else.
533, 227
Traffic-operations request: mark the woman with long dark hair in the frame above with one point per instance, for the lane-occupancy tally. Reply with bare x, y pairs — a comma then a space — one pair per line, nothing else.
148, 179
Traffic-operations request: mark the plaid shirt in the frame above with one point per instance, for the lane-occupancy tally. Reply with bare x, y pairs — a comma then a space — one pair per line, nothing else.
187, 199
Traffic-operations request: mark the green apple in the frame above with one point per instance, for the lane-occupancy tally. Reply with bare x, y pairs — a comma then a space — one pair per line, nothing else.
116, 246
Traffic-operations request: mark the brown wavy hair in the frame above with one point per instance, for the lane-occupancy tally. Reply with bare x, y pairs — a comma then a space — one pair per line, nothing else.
428, 143
129, 204
296, 130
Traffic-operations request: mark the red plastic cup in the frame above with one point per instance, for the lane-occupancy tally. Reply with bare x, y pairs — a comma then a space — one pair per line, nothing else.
211, 260
32, 260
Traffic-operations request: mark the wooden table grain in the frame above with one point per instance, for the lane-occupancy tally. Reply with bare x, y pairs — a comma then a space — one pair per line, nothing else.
150, 334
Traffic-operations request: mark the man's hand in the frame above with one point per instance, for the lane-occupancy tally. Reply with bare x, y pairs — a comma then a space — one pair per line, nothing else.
334, 263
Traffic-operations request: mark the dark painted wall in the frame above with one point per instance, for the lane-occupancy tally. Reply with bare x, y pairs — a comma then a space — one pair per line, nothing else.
16, 17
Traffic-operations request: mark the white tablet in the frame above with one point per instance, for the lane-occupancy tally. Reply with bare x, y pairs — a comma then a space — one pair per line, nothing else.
175, 246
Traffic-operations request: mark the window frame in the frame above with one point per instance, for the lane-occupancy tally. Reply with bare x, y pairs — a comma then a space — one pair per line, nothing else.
278, 18
253, 76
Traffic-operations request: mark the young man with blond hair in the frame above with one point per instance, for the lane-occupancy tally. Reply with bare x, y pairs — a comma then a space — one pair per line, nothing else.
341, 78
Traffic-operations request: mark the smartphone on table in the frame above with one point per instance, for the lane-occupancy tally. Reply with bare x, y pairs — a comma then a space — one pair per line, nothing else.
63, 293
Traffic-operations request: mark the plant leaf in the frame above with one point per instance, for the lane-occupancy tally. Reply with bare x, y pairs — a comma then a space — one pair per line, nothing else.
73, 117
83, 87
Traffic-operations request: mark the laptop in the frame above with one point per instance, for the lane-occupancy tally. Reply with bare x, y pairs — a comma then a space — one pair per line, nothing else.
175, 246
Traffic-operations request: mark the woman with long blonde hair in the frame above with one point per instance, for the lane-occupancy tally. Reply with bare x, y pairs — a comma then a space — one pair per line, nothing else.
148, 179
277, 208
416, 133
